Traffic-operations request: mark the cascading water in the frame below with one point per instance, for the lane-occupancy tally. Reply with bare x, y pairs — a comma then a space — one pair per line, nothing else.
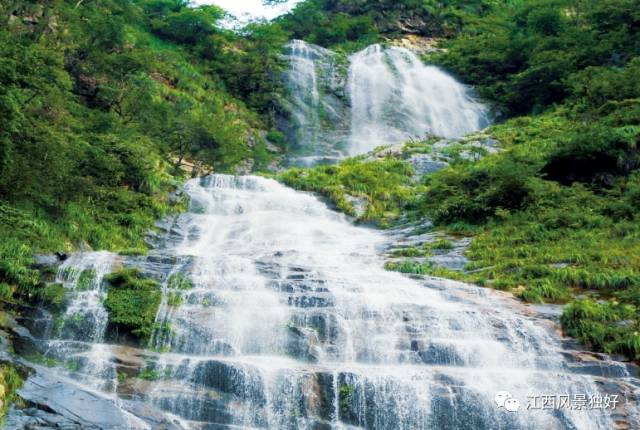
78, 335
395, 98
316, 123
289, 321
379, 96
276, 312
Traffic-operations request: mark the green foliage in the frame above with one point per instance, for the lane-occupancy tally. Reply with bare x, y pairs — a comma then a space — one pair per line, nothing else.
526, 56
610, 326
10, 383
387, 186
345, 394
186, 25
179, 281
349, 25
174, 299
86, 279
132, 302
149, 374
100, 105
474, 192
411, 267
441, 245
545, 291
594, 154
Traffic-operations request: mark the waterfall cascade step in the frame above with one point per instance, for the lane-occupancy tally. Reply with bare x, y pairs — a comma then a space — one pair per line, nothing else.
290, 321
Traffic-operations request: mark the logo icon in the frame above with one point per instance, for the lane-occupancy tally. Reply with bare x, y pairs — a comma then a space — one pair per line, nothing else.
504, 400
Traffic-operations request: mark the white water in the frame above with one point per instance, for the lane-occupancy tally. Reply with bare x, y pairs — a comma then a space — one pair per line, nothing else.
78, 339
386, 96
291, 306
302, 79
395, 98
292, 322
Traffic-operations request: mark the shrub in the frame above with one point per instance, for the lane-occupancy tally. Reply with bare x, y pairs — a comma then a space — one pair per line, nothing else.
590, 154
475, 193
132, 302
179, 281
608, 326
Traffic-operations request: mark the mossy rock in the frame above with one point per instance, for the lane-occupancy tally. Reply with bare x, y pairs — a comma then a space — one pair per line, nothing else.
86, 279
10, 382
132, 302
52, 296
179, 281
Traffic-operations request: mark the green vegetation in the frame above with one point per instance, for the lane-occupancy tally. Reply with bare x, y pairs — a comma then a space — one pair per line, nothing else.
149, 374
441, 245
349, 25
179, 281
387, 186
132, 302
10, 382
100, 105
174, 299
528, 55
345, 393
555, 214
609, 326
86, 279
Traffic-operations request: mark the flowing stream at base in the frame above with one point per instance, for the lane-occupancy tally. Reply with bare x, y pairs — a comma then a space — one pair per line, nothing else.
292, 323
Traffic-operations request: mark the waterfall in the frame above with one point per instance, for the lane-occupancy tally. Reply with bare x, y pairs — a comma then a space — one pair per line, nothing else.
317, 112
78, 337
291, 322
277, 313
395, 98
378, 96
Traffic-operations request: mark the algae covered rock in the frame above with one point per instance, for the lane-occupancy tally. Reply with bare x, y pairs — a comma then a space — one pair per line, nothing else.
132, 302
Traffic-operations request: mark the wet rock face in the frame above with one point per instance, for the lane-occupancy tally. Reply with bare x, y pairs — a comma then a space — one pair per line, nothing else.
57, 403
336, 106
315, 113
231, 379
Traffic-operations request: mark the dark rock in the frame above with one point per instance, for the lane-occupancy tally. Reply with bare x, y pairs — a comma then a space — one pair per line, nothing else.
55, 402
231, 378
42, 261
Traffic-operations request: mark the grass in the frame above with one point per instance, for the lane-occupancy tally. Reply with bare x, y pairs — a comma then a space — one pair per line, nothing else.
609, 326
132, 302
385, 185
86, 279
441, 245
10, 382
149, 374
179, 281
174, 299
545, 241
557, 241
118, 223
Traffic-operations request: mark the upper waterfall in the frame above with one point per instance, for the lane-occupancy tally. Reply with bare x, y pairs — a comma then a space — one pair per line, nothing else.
395, 97
338, 106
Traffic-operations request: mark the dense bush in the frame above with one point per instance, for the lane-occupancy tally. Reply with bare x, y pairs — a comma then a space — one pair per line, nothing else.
353, 25
101, 102
475, 192
529, 55
593, 154
386, 187
132, 303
